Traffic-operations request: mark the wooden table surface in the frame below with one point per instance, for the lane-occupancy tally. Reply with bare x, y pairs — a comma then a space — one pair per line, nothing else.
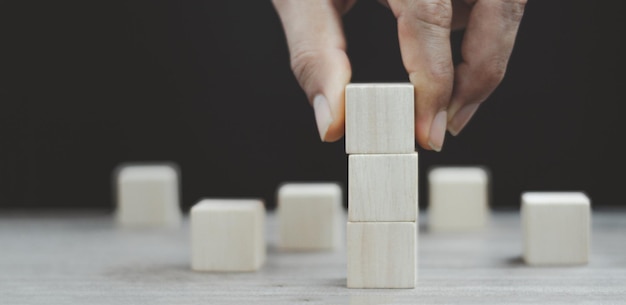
83, 258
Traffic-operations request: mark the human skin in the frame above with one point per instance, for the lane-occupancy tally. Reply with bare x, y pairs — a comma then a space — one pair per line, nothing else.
446, 96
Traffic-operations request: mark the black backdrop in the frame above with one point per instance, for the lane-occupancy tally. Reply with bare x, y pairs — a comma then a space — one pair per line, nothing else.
86, 85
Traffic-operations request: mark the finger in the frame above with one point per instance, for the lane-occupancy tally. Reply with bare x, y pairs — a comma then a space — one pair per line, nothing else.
424, 35
460, 13
318, 58
486, 49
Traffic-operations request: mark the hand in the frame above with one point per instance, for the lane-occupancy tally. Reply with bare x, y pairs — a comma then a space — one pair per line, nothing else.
446, 97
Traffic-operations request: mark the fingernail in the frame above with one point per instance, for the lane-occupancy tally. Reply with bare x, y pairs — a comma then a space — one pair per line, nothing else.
438, 131
460, 119
323, 117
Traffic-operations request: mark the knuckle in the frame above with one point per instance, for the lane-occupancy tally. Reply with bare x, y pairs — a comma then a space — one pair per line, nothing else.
494, 71
434, 12
438, 81
514, 9
441, 72
302, 64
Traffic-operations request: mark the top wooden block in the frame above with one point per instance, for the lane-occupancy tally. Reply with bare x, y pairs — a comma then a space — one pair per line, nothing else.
380, 118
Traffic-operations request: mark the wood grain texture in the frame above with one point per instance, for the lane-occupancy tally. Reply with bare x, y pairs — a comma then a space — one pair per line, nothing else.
227, 235
147, 196
382, 187
310, 216
458, 198
81, 257
382, 254
380, 118
556, 228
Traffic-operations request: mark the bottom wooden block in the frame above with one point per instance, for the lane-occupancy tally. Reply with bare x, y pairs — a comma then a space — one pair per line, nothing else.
382, 254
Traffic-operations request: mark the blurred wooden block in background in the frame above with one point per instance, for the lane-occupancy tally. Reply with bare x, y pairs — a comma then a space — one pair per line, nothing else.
310, 215
458, 198
228, 235
147, 195
556, 228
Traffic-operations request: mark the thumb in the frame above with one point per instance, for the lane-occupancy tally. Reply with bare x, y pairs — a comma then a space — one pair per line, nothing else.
318, 59
324, 75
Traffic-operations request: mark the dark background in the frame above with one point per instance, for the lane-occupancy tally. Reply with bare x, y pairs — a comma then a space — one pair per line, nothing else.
87, 85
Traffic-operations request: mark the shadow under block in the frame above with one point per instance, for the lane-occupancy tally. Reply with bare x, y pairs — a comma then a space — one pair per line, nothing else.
309, 216
556, 228
458, 198
382, 254
228, 235
382, 187
148, 196
380, 118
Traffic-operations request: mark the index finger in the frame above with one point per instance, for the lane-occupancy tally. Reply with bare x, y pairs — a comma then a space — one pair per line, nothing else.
486, 49
424, 36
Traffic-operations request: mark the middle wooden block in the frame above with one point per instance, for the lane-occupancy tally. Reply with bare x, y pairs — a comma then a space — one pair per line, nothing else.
382, 187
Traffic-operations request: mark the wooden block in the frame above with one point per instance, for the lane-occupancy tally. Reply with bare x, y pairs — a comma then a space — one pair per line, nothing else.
310, 216
458, 198
148, 195
228, 235
380, 118
382, 187
382, 254
556, 227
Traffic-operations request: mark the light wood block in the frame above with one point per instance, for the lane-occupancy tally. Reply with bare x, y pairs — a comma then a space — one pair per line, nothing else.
228, 235
310, 216
380, 118
458, 198
148, 196
382, 187
382, 254
556, 228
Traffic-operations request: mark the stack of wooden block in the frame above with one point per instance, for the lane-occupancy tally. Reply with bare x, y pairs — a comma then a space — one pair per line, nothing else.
382, 186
